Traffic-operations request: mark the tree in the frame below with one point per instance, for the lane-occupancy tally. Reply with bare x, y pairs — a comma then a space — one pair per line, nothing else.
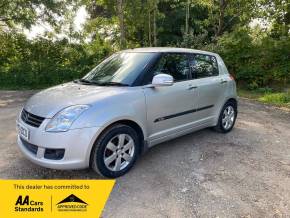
257, 58
276, 12
120, 9
222, 7
27, 13
155, 10
230, 13
187, 17
149, 28
152, 8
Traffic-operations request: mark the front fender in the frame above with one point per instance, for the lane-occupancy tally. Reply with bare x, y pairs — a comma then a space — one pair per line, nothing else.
129, 105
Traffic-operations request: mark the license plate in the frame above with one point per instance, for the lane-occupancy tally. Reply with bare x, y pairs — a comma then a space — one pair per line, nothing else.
23, 131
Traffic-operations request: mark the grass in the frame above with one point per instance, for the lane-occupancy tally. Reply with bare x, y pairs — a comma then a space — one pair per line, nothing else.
280, 99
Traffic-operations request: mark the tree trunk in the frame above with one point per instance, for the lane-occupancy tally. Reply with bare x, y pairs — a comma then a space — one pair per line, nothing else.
187, 17
220, 28
121, 24
149, 28
154, 25
286, 10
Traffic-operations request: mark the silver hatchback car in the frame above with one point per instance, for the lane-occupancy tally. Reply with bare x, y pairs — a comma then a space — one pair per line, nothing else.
131, 101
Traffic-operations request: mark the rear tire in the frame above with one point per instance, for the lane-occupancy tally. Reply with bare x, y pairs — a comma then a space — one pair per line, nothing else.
115, 151
227, 117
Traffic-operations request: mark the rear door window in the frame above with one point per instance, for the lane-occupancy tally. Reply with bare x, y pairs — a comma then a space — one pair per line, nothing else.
203, 66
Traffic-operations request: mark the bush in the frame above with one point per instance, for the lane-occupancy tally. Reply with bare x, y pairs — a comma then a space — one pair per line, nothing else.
256, 62
43, 62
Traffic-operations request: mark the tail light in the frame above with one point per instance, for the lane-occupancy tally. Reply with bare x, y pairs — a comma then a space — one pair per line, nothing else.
232, 77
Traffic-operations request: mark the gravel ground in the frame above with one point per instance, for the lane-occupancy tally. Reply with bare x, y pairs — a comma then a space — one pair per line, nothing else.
245, 173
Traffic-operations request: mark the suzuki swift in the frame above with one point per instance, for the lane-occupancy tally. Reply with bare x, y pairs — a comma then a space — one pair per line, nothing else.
131, 101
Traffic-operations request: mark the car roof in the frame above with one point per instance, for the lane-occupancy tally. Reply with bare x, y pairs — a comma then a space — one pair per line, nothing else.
168, 50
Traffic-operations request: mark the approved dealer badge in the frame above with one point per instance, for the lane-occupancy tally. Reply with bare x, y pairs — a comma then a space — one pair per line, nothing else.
72, 203
54, 198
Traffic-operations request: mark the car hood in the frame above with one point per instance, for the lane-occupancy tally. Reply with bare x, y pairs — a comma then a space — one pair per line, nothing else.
50, 101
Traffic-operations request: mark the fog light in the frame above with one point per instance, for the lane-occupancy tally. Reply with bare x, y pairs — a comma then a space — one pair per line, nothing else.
54, 154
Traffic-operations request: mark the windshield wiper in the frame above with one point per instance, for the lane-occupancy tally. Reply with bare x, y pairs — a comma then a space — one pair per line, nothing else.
91, 82
87, 82
113, 84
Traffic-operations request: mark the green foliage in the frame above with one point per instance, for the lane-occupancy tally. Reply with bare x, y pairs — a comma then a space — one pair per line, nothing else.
267, 95
258, 58
43, 62
26, 13
281, 99
276, 98
256, 62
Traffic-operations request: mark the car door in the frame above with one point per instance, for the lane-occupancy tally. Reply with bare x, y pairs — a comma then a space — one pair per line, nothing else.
169, 108
210, 86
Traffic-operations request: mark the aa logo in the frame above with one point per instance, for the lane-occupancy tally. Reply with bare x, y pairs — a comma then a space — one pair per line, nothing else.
72, 203
25, 204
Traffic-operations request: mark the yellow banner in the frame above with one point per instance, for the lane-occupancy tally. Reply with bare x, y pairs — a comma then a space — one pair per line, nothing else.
53, 198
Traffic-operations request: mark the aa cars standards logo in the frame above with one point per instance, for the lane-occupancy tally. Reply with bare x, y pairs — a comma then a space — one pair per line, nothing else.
25, 204
72, 203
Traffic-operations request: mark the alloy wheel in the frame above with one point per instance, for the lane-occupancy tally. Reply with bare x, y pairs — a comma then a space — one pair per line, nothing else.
119, 152
228, 117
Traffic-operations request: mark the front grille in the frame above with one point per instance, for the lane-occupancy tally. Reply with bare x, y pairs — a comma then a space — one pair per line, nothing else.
30, 147
31, 119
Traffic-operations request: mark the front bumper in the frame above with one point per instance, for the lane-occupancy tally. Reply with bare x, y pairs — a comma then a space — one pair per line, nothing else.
76, 143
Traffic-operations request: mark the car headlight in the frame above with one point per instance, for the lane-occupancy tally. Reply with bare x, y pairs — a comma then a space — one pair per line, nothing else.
63, 120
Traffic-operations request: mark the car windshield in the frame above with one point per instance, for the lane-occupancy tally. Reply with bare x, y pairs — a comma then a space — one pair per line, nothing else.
119, 69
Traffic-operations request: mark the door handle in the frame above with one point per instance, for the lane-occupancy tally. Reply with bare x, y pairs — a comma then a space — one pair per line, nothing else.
192, 87
224, 81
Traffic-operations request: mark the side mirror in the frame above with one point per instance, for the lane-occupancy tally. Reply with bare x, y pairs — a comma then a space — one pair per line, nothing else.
162, 80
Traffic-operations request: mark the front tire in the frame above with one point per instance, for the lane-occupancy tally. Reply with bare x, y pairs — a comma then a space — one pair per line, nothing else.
116, 151
227, 117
